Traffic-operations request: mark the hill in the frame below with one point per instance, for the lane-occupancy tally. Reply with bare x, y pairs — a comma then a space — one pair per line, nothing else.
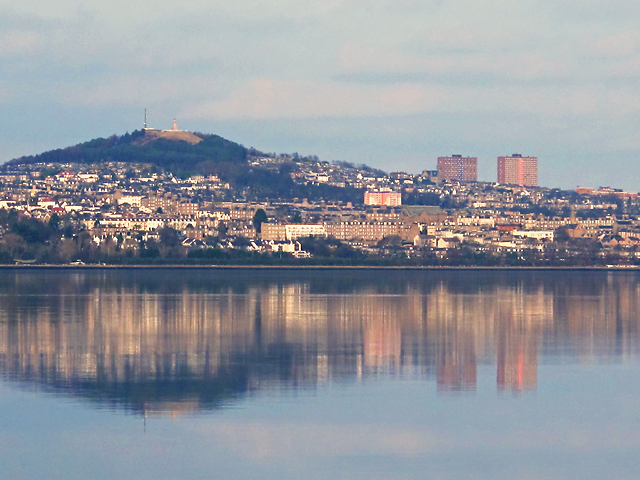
151, 135
186, 153
182, 153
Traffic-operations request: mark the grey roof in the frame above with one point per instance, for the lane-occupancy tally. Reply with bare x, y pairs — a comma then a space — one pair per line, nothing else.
414, 210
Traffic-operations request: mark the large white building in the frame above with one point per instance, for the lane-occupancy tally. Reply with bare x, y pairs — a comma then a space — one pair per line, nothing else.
292, 231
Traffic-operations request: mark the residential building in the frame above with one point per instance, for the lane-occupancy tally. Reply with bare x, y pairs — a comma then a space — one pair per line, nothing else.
367, 231
458, 168
537, 234
518, 170
270, 231
391, 199
294, 231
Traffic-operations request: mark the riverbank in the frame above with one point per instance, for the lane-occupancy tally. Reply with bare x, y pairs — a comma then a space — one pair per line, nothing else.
315, 267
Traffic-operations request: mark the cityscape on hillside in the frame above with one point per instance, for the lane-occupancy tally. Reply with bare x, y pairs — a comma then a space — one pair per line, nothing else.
237, 205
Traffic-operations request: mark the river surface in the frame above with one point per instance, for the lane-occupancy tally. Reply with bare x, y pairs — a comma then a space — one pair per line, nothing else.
198, 374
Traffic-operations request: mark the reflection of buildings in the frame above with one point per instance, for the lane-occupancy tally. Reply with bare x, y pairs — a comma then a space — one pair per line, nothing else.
170, 343
517, 363
382, 345
457, 371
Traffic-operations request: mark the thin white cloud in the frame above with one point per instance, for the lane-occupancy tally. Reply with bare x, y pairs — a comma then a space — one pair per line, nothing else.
266, 98
263, 98
619, 44
16, 43
133, 90
504, 66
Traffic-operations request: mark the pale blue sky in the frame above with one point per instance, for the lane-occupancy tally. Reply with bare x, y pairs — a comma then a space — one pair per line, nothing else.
390, 83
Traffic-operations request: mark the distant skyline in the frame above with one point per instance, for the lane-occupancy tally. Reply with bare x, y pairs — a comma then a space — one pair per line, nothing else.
387, 83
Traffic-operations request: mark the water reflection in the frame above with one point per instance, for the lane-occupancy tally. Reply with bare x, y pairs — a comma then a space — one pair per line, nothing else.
187, 340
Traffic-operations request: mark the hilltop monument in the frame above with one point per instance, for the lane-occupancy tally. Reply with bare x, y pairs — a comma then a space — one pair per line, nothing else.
152, 134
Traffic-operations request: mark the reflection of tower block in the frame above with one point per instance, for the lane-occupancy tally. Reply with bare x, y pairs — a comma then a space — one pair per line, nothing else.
458, 372
382, 345
517, 363
457, 377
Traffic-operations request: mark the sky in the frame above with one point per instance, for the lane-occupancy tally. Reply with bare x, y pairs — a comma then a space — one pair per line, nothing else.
390, 83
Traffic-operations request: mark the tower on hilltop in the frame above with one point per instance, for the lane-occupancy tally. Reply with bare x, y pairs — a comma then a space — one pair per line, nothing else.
145, 125
175, 126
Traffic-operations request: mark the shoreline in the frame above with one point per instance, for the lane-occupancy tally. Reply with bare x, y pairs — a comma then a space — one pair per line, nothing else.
631, 268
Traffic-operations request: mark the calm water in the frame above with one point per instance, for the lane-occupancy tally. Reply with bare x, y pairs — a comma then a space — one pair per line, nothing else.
189, 374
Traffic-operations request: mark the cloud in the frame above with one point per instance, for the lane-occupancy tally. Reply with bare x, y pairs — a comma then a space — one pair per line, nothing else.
501, 67
618, 44
264, 98
149, 11
15, 43
267, 98
133, 90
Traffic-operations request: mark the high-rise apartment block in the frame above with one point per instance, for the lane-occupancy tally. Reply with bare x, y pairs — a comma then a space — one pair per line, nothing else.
518, 170
390, 199
458, 168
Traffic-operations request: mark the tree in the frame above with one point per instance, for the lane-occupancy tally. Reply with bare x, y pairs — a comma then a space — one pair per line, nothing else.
169, 237
259, 218
150, 250
561, 234
390, 241
241, 242
108, 246
67, 250
32, 230
14, 244
5, 257
54, 221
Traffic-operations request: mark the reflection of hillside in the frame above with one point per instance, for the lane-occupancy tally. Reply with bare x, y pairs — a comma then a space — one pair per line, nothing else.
175, 342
